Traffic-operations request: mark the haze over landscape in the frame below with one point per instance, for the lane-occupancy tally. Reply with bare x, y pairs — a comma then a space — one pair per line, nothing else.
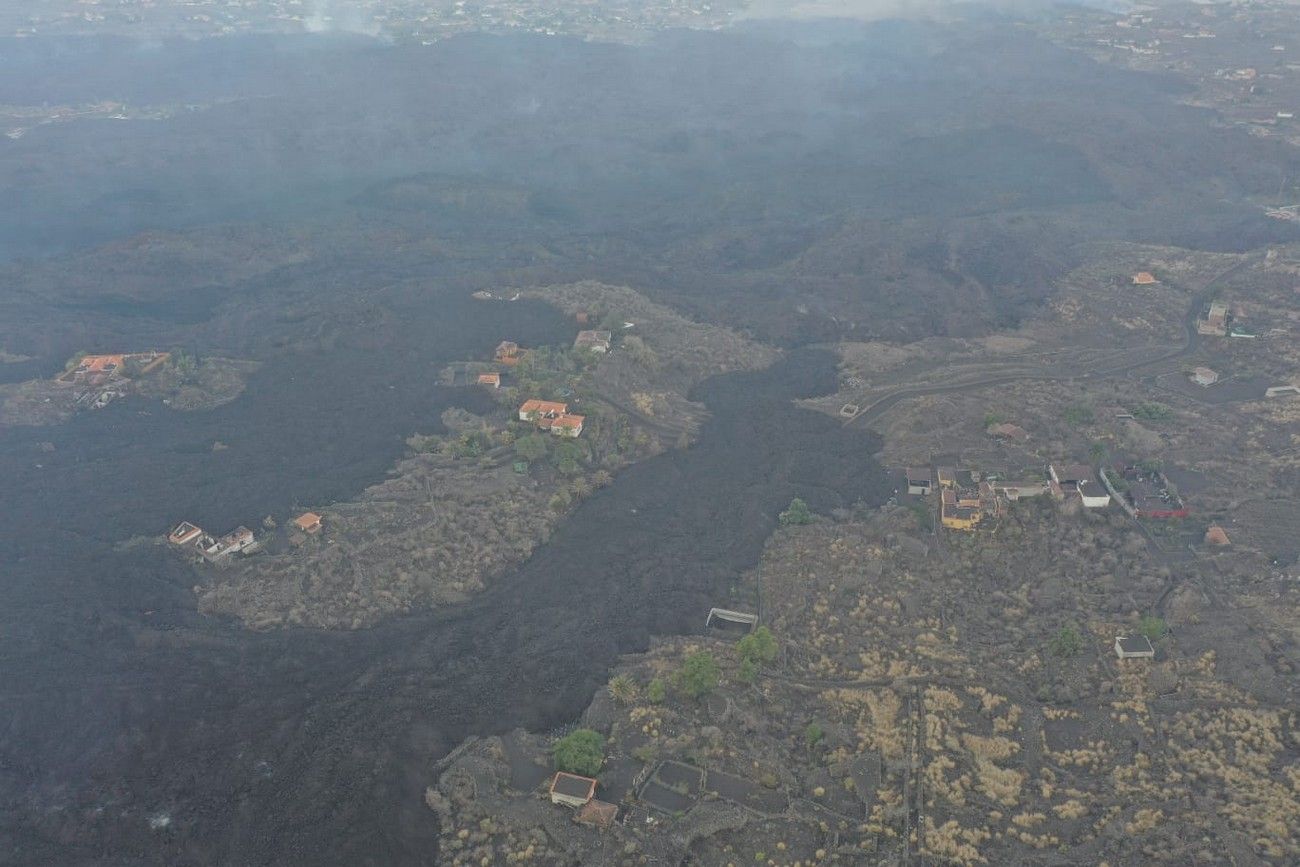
649, 432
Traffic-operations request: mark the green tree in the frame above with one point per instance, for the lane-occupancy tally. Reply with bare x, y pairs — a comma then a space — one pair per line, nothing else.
612, 322
639, 352
1066, 643
469, 445
656, 691
924, 520
582, 751
748, 671
1097, 451
1153, 628
567, 457
797, 514
1152, 411
699, 675
532, 447
186, 364
812, 734
758, 646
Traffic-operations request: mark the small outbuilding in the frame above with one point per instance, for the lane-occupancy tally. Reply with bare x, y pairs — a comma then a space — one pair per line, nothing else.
236, 540
726, 614
1144, 278
507, 353
491, 380
593, 341
572, 790
308, 522
1009, 432
1216, 536
1017, 490
1134, 647
919, 481
184, 533
598, 813
1082, 480
1204, 376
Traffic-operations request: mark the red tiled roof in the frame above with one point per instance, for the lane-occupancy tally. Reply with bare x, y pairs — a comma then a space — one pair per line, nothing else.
184, 532
1216, 535
544, 407
596, 812
307, 521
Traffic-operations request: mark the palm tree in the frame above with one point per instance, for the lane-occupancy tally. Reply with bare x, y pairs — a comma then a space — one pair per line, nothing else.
623, 689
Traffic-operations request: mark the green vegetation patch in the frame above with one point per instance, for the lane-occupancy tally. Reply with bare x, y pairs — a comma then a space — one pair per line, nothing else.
582, 751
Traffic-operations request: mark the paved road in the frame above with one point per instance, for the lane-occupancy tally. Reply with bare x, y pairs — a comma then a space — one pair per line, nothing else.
1191, 342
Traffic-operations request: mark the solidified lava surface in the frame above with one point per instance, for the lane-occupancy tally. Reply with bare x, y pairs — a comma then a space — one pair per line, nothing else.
124, 705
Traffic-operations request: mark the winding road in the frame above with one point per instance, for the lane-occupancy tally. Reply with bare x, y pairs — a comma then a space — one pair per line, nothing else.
1191, 342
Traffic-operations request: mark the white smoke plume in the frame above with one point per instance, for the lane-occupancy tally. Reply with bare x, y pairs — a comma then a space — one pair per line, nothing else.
338, 16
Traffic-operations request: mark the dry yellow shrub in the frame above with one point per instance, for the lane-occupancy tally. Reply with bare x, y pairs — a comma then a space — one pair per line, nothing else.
999, 784
954, 843
993, 748
1144, 820
1071, 809
939, 699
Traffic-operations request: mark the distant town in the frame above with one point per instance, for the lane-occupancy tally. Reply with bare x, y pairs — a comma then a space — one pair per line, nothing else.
416, 20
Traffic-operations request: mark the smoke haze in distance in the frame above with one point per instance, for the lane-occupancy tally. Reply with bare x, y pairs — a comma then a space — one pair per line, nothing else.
338, 16
875, 10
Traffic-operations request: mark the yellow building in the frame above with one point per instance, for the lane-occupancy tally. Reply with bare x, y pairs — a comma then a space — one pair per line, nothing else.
959, 513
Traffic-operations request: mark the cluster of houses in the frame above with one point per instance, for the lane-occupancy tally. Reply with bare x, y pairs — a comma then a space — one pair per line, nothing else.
98, 370
966, 499
552, 416
215, 549
508, 353
547, 415
103, 378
